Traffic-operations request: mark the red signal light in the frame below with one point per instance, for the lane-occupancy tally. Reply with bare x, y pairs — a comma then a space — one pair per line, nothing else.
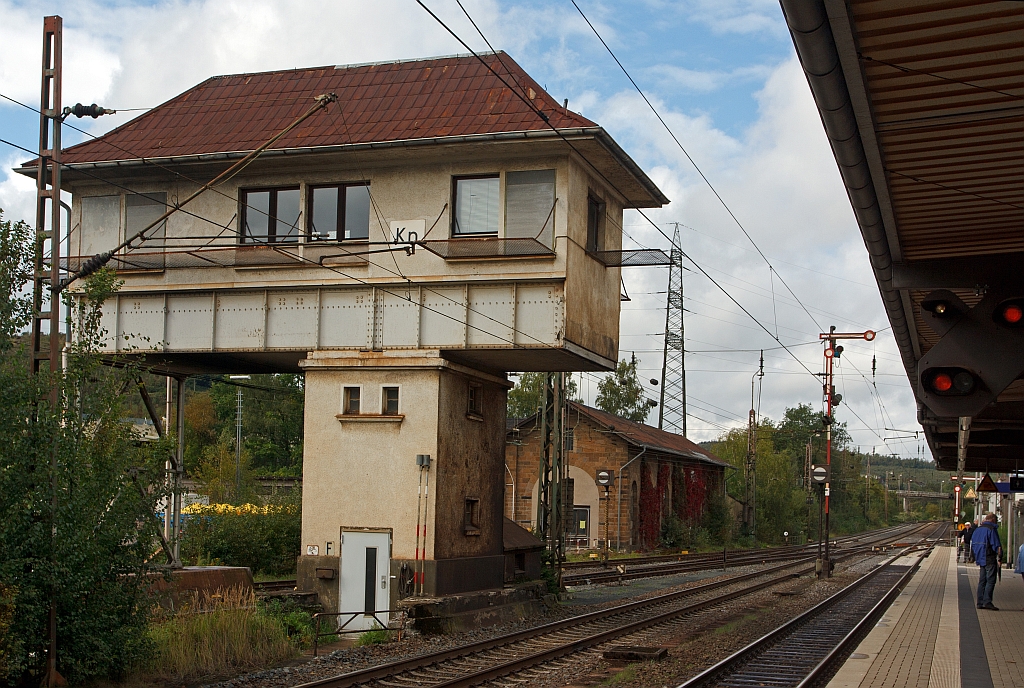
949, 381
1013, 314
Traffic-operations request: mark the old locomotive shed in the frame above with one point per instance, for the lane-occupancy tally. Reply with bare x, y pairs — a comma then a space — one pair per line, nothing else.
924, 108
656, 475
433, 228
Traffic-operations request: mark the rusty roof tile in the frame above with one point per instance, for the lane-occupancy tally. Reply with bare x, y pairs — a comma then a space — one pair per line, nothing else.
388, 102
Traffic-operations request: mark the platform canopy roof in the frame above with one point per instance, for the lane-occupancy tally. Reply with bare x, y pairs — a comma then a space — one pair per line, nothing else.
455, 99
923, 104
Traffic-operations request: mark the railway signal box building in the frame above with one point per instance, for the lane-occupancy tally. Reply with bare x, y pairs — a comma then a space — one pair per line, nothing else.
443, 222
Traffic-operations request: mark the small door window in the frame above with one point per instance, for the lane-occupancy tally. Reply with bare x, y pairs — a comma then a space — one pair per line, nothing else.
370, 591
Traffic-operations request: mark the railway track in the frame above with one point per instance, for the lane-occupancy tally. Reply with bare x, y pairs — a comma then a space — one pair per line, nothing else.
512, 657
586, 573
639, 568
807, 650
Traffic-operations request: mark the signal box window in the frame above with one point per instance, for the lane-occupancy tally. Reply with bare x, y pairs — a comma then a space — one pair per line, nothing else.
595, 224
476, 406
350, 400
270, 216
476, 206
471, 517
530, 205
340, 212
389, 401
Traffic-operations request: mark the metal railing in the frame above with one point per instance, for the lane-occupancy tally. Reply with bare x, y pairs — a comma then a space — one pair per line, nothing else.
400, 617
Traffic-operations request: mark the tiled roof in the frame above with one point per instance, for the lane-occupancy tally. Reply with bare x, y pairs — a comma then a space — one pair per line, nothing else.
640, 435
515, 537
377, 103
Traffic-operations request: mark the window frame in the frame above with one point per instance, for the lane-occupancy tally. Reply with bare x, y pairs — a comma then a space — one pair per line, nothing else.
596, 234
475, 393
455, 206
339, 230
345, 400
384, 400
471, 516
243, 215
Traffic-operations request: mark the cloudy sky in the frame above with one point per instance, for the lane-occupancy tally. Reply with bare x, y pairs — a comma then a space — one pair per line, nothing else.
722, 73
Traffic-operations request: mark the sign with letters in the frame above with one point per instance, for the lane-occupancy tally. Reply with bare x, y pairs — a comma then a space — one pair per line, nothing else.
407, 231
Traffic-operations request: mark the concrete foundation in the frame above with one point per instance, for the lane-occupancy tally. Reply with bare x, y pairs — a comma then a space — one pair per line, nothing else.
476, 610
201, 581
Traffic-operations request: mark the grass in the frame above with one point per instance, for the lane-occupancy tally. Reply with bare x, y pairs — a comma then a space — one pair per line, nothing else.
627, 675
375, 637
217, 635
733, 625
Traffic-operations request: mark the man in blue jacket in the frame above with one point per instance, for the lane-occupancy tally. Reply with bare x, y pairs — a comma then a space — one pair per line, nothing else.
987, 550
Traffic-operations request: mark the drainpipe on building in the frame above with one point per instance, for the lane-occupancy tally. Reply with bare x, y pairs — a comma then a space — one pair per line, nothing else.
513, 479
618, 517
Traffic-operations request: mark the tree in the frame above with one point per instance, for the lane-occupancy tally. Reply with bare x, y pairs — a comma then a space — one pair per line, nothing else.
272, 424
524, 398
78, 492
217, 474
622, 394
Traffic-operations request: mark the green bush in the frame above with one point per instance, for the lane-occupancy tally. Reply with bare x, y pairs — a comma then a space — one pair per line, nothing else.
264, 538
673, 532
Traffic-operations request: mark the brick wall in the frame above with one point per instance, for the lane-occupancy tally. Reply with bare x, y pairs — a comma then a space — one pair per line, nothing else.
663, 484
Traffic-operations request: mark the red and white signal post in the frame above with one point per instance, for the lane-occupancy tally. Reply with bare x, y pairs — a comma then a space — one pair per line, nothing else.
830, 398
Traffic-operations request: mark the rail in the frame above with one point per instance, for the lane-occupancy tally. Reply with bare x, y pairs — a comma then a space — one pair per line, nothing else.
754, 658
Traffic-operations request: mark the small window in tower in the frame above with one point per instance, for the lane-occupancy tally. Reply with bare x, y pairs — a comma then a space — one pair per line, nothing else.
595, 224
389, 399
569, 439
476, 393
350, 400
471, 519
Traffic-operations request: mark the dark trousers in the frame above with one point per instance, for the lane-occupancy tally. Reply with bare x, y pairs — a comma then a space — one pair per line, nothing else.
987, 582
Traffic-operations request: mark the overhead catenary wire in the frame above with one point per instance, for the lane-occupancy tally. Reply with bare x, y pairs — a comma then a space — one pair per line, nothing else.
558, 133
687, 154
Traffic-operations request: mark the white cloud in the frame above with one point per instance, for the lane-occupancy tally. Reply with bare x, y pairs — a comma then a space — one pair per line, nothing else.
781, 181
778, 175
706, 81
736, 16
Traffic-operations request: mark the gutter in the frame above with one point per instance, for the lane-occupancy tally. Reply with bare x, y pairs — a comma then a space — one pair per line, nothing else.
815, 44
658, 198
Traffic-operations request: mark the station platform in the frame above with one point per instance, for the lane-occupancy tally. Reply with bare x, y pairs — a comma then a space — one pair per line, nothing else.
934, 634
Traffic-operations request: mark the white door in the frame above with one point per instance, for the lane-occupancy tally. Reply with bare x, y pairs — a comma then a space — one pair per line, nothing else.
365, 580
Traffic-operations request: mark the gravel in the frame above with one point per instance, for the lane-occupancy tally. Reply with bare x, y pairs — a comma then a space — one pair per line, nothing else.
695, 643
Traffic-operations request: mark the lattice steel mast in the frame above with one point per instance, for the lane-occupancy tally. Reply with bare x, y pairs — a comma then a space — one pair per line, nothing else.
672, 406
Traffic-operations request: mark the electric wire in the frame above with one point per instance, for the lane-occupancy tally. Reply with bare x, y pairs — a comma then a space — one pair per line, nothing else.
278, 248
671, 133
558, 133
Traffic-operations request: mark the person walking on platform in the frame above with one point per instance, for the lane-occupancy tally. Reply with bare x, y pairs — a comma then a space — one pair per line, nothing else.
987, 550
968, 534
1020, 563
